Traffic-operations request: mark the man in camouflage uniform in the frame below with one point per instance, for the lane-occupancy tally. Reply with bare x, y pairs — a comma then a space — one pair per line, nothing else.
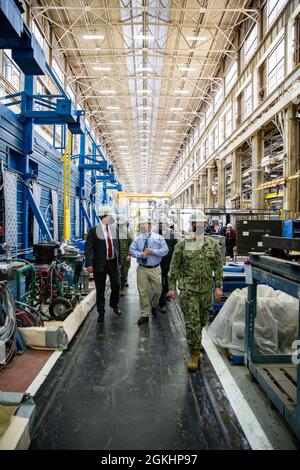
194, 261
126, 238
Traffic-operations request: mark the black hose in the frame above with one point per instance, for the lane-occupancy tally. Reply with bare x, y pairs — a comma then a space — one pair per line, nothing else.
8, 329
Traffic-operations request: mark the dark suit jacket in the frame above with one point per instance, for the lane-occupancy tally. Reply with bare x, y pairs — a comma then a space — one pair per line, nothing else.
95, 248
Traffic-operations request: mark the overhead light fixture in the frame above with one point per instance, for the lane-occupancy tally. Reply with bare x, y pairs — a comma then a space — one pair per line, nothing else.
187, 69
123, 146
143, 69
121, 140
143, 121
196, 38
181, 92
170, 131
144, 37
168, 140
116, 121
104, 69
176, 109
172, 122
112, 107
119, 132
144, 91
93, 36
108, 92
144, 108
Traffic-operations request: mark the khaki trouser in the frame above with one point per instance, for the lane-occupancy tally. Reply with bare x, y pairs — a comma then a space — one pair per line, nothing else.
148, 279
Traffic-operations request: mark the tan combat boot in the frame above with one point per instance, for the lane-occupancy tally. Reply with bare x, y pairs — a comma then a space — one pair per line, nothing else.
194, 362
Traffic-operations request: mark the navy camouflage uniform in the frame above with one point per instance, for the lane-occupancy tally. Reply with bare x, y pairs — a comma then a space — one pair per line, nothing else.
126, 238
193, 267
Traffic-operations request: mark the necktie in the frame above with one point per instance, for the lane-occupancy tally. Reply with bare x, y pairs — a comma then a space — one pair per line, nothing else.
146, 244
109, 244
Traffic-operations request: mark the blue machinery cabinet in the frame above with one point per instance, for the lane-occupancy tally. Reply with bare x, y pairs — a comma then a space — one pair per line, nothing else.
291, 228
277, 375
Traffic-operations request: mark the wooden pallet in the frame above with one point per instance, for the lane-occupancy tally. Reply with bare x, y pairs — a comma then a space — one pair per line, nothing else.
283, 380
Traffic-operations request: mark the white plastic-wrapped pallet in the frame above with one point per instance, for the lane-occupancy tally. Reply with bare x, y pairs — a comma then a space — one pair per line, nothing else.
276, 324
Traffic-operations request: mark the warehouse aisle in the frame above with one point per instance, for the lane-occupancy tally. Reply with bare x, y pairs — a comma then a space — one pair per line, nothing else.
124, 387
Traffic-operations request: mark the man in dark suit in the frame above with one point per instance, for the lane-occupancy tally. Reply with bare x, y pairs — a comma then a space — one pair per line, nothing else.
102, 254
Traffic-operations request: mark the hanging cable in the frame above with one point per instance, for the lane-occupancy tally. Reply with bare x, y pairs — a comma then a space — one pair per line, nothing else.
8, 324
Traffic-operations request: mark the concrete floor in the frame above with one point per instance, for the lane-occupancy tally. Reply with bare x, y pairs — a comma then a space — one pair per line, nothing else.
123, 387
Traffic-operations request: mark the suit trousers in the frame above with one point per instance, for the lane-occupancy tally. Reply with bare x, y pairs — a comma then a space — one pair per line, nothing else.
110, 269
165, 287
148, 280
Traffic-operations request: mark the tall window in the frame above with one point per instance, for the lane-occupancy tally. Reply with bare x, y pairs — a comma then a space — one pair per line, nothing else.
231, 76
274, 7
71, 93
215, 137
58, 71
201, 127
10, 71
275, 67
211, 143
218, 98
36, 31
250, 44
208, 114
228, 122
221, 129
248, 95
202, 152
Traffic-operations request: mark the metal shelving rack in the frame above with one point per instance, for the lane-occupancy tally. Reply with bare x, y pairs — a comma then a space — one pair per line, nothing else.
277, 374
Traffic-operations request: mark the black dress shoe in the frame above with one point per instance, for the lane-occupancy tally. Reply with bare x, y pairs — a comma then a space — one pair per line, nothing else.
154, 312
142, 320
100, 318
117, 310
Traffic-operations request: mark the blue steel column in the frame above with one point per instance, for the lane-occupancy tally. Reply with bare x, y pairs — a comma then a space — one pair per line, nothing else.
28, 150
81, 181
104, 198
94, 189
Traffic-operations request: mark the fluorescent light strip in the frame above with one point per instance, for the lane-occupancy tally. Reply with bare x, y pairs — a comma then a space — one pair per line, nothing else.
93, 36
104, 69
172, 122
116, 121
196, 38
144, 37
112, 107
187, 69
170, 131
176, 109
144, 91
143, 69
181, 92
107, 92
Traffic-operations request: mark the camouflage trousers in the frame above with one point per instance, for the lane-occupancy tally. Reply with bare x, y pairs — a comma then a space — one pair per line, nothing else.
196, 310
124, 273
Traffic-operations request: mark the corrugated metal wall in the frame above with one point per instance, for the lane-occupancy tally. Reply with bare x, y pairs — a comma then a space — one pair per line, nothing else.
46, 160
